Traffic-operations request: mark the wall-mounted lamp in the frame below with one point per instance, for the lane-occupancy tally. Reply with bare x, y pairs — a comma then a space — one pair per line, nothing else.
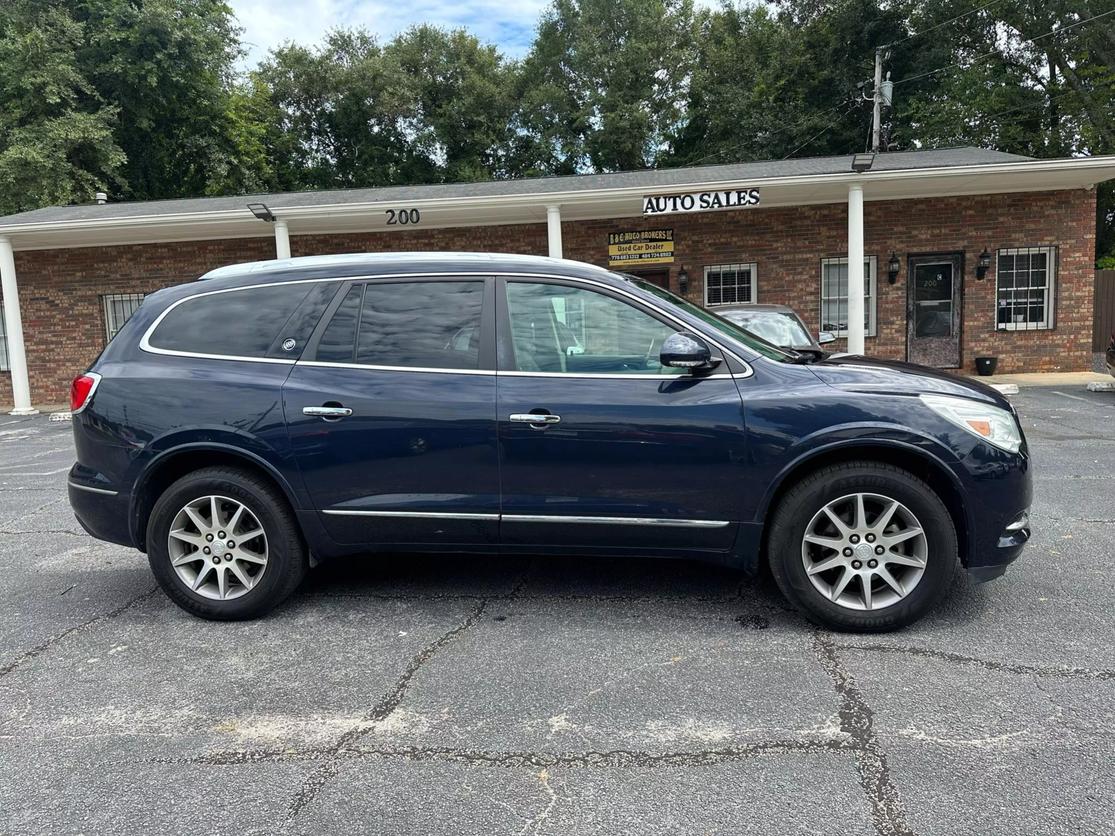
983, 265
683, 282
261, 211
893, 266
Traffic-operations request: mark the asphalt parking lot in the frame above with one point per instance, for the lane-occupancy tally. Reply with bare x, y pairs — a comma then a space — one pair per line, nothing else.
489, 696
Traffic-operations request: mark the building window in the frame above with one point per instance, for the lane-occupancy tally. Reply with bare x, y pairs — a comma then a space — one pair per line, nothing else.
730, 284
834, 295
1024, 280
119, 308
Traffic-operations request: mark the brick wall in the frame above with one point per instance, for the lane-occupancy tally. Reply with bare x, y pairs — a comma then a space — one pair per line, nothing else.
63, 319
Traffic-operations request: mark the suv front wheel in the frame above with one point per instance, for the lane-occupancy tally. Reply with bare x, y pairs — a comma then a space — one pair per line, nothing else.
224, 545
862, 546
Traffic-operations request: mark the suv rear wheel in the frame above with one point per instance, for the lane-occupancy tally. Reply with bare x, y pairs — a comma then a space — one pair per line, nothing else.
224, 545
862, 546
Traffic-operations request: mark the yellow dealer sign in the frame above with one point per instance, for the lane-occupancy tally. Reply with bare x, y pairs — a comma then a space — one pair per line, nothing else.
645, 246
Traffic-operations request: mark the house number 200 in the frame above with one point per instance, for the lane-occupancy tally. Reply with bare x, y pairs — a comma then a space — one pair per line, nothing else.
402, 216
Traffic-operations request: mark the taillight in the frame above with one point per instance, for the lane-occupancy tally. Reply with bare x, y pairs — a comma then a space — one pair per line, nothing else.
81, 391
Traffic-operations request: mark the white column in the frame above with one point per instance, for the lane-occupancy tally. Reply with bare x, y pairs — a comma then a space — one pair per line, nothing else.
553, 230
856, 325
282, 239
17, 357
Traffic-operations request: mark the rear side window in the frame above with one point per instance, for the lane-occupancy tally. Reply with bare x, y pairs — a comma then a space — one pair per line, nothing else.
256, 322
421, 324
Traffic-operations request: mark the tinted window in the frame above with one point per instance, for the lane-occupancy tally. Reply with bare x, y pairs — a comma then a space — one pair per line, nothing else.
294, 335
241, 323
338, 341
555, 328
419, 324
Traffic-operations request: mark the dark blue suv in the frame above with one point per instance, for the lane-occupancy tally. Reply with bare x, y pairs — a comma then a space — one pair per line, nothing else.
276, 414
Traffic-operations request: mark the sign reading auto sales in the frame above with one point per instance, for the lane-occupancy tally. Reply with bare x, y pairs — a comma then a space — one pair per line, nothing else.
700, 201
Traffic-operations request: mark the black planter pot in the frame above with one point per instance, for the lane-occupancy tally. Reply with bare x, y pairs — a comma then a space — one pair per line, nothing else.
986, 365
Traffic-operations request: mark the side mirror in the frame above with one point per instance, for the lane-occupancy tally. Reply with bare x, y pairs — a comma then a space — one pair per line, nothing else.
826, 337
685, 351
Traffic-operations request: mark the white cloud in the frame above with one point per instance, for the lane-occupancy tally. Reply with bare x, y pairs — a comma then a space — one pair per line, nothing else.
509, 24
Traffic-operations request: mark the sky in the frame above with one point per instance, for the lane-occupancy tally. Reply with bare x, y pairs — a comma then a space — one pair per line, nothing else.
509, 24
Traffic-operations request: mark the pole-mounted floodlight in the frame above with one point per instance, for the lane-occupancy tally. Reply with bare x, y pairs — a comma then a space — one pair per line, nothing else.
863, 162
261, 211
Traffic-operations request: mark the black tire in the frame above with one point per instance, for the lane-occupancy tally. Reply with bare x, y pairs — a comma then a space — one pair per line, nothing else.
287, 560
798, 507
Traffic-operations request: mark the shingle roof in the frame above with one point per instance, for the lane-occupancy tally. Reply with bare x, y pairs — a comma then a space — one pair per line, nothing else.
648, 179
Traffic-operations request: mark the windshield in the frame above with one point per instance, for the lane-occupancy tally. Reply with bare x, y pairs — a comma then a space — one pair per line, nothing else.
778, 327
731, 329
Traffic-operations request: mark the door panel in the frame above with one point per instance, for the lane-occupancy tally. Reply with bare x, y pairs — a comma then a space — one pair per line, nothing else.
416, 443
634, 456
399, 442
669, 450
933, 307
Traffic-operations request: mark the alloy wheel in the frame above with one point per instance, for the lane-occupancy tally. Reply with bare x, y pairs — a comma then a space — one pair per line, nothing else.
217, 547
864, 551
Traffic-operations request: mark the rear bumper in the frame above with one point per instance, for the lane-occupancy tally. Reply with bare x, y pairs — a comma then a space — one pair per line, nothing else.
100, 509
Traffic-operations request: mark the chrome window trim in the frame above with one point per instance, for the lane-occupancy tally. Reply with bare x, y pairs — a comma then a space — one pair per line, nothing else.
92, 490
532, 518
145, 342
616, 376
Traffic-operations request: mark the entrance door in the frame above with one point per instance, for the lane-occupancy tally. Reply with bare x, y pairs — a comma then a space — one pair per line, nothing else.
933, 298
601, 447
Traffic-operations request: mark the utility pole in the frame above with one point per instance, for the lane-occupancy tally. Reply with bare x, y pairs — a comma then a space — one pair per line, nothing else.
882, 94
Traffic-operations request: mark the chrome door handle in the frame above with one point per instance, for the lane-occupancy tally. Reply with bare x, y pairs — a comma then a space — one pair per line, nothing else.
327, 411
534, 418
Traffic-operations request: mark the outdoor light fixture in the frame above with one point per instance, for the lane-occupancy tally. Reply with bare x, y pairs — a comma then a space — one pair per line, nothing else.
683, 281
984, 264
893, 266
863, 162
261, 211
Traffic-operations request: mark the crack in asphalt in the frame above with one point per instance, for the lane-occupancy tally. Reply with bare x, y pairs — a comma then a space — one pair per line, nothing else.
612, 758
888, 814
334, 755
1101, 675
39, 649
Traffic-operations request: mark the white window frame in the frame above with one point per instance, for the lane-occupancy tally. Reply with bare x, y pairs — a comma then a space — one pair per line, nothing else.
1049, 295
108, 304
870, 285
751, 266
5, 362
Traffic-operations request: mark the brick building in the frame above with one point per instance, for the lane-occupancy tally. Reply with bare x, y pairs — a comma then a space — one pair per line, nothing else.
966, 252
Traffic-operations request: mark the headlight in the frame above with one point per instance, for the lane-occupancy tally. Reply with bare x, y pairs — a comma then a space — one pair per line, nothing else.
992, 424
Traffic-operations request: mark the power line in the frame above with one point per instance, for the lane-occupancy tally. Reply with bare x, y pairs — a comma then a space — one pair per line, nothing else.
979, 58
794, 127
945, 23
818, 135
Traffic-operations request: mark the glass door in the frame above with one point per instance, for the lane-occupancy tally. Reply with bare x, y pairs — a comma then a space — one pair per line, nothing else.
933, 299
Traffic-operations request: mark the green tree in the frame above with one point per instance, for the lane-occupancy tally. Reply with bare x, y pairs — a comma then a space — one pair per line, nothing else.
460, 93
56, 133
166, 65
770, 83
347, 113
603, 85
